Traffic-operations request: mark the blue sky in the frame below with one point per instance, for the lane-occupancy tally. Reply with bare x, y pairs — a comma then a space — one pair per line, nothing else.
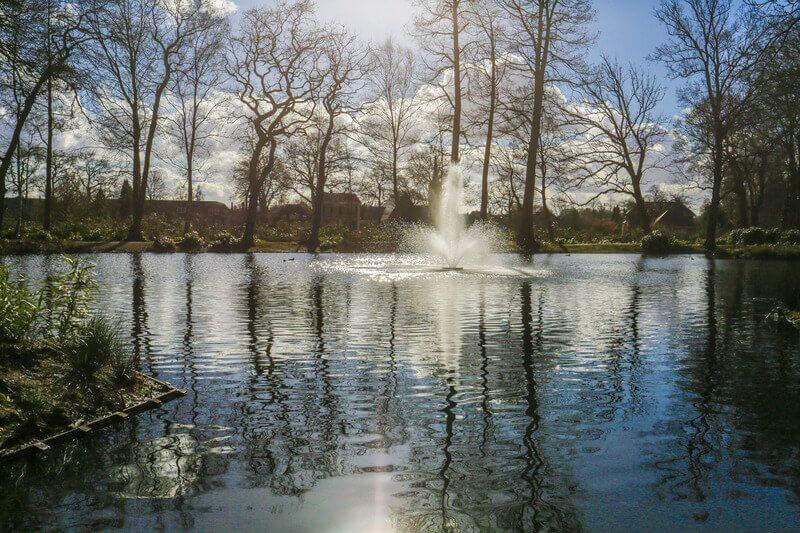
627, 29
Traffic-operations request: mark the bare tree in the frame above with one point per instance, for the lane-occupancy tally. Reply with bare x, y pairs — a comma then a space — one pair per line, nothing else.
714, 51
274, 62
617, 131
195, 90
549, 37
490, 66
40, 39
441, 27
390, 119
138, 46
344, 62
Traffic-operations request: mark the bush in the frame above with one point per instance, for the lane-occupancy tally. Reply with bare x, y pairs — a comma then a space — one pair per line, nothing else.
94, 346
748, 236
19, 309
791, 236
163, 244
224, 241
33, 232
191, 241
658, 242
332, 236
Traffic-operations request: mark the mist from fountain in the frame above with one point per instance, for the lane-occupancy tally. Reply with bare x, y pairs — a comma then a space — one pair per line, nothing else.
452, 241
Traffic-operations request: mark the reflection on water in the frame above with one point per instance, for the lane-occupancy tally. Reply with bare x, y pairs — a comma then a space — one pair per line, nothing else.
379, 393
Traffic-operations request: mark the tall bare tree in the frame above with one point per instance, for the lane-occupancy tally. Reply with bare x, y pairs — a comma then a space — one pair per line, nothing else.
274, 63
441, 27
490, 66
345, 67
549, 37
617, 130
714, 51
196, 101
138, 46
390, 119
40, 39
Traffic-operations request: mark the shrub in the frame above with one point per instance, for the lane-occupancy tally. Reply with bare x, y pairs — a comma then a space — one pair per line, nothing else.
93, 347
191, 241
791, 236
224, 241
332, 236
748, 236
67, 296
163, 244
19, 309
34, 232
658, 242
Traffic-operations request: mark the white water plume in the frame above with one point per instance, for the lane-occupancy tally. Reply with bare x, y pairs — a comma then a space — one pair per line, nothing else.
452, 241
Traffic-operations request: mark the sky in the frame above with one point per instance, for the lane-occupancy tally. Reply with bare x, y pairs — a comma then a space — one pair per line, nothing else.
626, 30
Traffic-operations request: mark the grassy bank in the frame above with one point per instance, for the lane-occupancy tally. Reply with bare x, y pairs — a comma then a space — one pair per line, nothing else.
761, 251
58, 365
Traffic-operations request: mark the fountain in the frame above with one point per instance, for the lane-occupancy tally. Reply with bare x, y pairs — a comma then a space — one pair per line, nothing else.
451, 240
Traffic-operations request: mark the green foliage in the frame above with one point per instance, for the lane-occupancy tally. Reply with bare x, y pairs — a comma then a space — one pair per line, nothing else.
758, 236
95, 345
67, 296
163, 244
332, 236
224, 241
192, 241
791, 236
658, 242
31, 232
19, 309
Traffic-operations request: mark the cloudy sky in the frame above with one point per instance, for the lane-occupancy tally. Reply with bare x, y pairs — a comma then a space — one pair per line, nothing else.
627, 28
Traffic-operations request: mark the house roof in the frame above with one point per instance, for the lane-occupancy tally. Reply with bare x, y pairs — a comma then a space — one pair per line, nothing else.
342, 197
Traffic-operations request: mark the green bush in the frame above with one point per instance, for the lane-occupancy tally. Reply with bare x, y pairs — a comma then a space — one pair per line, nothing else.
19, 309
191, 241
748, 236
332, 236
163, 244
94, 346
658, 242
791, 236
35, 232
224, 241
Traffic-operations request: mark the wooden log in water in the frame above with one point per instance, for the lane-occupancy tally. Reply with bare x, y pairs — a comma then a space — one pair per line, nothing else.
81, 427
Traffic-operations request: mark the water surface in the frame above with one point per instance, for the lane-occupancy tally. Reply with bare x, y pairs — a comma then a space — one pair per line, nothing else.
372, 393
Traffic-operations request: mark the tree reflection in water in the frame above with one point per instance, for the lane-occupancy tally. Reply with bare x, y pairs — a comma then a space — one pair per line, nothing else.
437, 401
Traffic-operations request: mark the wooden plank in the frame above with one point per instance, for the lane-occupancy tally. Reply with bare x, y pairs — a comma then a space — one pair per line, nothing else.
81, 427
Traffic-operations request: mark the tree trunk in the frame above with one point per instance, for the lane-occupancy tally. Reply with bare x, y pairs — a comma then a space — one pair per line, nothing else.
487, 154
319, 193
395, 179
527, 239
254, 189
135, 233
455, 154
48, 175
5, 163
716, 191
187, 225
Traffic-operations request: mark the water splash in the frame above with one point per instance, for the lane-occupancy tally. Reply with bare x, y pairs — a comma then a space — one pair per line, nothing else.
451, 241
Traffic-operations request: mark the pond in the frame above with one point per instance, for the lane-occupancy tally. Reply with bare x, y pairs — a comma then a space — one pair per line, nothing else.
374, 393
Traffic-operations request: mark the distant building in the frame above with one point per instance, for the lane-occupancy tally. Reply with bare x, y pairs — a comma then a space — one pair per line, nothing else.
203, 211
342, 208
288, 213
374, 214
670, 215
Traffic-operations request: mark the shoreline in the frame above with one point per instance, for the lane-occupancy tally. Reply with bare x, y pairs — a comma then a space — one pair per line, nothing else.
19, 248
